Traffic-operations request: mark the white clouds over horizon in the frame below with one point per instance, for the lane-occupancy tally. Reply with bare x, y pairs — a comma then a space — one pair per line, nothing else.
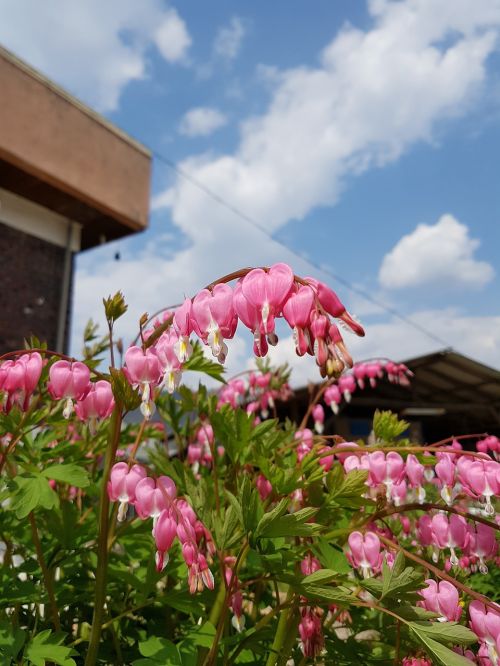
92, 48
374, 94
201, 121
441, 255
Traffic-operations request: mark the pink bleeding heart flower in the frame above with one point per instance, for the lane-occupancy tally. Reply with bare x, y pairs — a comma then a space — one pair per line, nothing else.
416, 661
359, 372
297, 312
183, 320
333, 398
445, 472
332, 304
152, 497
249, 315
264, 487
122, 484
415, 473
347, 386
70, 380
385, 469
267, 293
373, 372
19, 379
97, 404
485, 623
441, 598
143, 369
310, 564
214, 318
166, 351
483, 479
365, 552
318, 414
311, 633
450, 533
164, 532
482, 544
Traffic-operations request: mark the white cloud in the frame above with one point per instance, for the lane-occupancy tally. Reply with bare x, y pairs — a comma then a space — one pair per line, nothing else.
228, 41
92, 48
437, 254
374, 94
172, 37
201, 121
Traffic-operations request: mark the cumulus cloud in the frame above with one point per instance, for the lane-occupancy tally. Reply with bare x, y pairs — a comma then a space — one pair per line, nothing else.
373, 95
229, 38
442, 253
202, 121
92, 48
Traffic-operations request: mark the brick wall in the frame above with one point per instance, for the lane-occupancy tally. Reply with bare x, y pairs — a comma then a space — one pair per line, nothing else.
31, 273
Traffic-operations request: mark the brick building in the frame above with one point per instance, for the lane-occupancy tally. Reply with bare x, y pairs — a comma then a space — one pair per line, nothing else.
69, 180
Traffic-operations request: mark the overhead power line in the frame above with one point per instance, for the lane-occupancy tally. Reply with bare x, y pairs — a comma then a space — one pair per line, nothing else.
258, 225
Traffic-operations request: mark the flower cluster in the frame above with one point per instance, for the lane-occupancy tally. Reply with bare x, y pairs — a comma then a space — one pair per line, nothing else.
172, 517
18, 380
259, 298
362, 373
257, 392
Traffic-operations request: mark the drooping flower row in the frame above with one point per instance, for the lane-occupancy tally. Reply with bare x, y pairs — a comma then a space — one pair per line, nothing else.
172, 518
258, 300
362, 375
68, 381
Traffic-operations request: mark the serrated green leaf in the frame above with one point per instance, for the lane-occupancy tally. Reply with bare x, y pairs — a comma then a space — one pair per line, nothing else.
45, 648
319, 576
333, 558
350, 492
69, 473
114, 306
397, 580
32, 491
387, 426
439, 653
271, 516
11, 641
447, 632
292, 524
198, 362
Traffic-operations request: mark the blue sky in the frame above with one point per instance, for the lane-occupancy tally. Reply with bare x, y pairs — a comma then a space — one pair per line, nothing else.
363, 136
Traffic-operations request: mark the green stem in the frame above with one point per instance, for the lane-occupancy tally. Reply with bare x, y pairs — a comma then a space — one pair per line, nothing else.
102, 544
47, 577
277, 647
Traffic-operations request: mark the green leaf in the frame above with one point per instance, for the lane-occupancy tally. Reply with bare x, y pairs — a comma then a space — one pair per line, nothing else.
45, 648
332, 595
272, 516
202, 636
319, 576
398, 580
333, 558
198, 362
351, 490
160, 651
11, 641
440, 654
387, 426
114, 306
447, 632
130, 398
292, 524
32, 491
68, 473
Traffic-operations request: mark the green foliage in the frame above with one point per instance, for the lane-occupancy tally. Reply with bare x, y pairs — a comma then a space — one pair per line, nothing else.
387, 426
46, 647
114, 307
198, 362
122, 390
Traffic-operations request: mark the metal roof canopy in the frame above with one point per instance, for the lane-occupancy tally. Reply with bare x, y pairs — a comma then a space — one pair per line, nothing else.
456, 395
